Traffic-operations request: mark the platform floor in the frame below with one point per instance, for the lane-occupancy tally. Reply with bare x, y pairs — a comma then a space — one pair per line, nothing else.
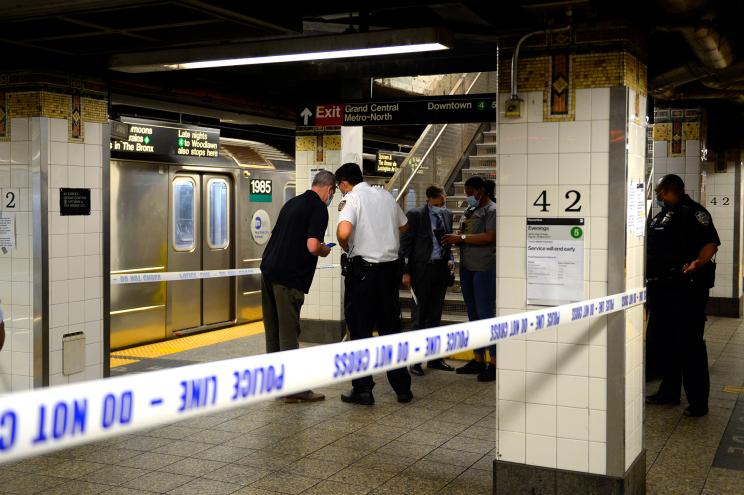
441, 443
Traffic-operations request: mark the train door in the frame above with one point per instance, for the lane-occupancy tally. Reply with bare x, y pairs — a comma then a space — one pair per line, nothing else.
200, 239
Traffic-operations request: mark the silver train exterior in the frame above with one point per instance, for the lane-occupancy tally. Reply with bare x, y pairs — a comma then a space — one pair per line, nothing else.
194, 215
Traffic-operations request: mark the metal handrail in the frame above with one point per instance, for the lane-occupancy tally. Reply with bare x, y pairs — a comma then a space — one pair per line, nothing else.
429, 128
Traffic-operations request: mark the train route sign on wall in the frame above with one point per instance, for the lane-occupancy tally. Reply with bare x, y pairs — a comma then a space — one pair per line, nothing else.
555, 260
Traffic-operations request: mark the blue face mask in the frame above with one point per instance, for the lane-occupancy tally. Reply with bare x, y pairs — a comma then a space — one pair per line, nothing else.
437, 210
660, 203
472, 201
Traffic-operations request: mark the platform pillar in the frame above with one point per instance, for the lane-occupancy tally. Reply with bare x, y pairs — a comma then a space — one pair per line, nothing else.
53, 263
570, 401
322, 317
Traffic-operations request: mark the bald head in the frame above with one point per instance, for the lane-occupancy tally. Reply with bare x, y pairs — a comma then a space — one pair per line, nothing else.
670, 189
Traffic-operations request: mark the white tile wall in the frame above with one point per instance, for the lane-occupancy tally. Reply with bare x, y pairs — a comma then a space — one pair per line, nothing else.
16, 265
720, 185
560, 376
72, 307
325, 299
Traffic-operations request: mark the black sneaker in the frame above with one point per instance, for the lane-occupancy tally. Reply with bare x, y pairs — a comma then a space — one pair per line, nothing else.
488, 374
658, 400
417, 370
364, 398
472, 367
695, 411
405, 397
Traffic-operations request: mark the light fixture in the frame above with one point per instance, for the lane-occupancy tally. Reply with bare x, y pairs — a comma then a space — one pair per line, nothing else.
369, 44
304, 57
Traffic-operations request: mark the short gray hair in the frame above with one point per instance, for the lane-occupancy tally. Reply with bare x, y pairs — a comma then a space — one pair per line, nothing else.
324, 178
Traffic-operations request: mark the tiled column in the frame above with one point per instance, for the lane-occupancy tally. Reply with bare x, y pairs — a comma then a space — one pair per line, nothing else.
722, 198
322, 313
570, 399
51, 283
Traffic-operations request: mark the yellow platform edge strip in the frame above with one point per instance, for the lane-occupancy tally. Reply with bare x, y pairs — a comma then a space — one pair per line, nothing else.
115, 362
181, 344
731, 389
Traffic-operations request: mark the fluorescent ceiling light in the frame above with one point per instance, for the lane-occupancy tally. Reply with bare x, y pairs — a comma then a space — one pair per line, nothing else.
303, 57
299, 49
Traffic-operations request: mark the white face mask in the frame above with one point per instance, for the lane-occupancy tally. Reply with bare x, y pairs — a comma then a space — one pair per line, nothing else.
329, 200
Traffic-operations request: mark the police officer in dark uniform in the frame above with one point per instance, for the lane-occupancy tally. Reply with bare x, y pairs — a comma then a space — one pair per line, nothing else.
681, 243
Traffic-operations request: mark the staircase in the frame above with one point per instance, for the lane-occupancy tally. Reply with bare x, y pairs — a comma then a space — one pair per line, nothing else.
483, 163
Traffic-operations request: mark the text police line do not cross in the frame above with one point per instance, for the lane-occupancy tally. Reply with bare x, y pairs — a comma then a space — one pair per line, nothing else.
44, 420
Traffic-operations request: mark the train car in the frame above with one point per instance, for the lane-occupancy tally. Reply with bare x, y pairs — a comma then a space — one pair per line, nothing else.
184, 199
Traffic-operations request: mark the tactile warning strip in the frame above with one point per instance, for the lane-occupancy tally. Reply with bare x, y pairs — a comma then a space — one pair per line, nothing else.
732, 389
172, 346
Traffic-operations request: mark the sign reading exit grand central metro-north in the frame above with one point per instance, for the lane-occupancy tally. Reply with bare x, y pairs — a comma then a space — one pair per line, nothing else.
409, 111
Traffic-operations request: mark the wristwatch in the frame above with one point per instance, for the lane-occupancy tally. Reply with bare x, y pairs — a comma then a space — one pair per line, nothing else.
462, 237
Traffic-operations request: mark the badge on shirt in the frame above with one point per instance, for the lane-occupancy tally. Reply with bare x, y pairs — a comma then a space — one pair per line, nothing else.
341, 205
702, 217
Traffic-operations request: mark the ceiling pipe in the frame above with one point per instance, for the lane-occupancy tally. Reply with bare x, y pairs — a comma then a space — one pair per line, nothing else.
666, 82
515, 57
710, 47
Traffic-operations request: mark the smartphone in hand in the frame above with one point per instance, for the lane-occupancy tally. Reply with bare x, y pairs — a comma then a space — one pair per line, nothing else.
330, 244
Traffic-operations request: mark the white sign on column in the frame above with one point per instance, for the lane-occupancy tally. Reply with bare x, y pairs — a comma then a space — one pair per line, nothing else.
555, 260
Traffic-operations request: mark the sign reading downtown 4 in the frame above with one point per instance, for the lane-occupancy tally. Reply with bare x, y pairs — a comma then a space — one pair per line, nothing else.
406, 111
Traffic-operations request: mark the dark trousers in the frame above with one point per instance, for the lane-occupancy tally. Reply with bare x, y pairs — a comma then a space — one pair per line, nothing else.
371, 302
281, 315
479, 293
429, 283
678, 319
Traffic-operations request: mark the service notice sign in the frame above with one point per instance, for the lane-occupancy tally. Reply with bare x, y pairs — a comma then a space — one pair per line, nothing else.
555, 261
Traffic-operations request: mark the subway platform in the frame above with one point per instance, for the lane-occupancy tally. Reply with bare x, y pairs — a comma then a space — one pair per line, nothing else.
443, 442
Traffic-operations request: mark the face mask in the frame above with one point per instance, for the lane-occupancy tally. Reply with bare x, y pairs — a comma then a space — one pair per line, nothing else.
437, 210
329, 200
660, 203
472, 202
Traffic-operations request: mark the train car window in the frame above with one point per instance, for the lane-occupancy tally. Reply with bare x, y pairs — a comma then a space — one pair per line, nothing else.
290, 191
217, 216
184, 211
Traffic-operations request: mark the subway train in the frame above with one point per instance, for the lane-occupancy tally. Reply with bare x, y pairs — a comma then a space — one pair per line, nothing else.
183, 198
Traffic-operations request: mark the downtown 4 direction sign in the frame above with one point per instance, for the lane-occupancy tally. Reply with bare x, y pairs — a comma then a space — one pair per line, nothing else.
406, 111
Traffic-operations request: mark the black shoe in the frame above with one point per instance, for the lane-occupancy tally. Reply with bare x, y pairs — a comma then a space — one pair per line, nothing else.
439, 364
364, 398
405, 397
658, 400
695, 411
488, 374
473, 367
417, 370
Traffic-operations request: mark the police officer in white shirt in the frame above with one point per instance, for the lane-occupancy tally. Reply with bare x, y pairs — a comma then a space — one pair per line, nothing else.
369, 226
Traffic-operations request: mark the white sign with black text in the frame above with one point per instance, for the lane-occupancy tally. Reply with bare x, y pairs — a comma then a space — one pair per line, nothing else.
636, 220
555, 260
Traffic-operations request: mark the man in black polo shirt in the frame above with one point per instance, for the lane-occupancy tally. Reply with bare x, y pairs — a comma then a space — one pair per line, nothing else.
289, 263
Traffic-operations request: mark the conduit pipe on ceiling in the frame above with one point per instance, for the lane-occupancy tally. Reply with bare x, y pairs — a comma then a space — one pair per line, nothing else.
515, 57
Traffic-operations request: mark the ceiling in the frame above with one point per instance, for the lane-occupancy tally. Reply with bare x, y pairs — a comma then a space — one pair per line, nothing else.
83, 35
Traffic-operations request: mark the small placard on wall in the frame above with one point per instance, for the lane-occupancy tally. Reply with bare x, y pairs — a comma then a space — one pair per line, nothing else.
74, 201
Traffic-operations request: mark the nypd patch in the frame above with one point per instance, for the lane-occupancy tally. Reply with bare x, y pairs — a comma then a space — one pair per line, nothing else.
341, 205
702, 217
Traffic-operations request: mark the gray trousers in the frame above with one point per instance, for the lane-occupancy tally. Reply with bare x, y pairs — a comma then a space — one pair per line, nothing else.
281, 315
